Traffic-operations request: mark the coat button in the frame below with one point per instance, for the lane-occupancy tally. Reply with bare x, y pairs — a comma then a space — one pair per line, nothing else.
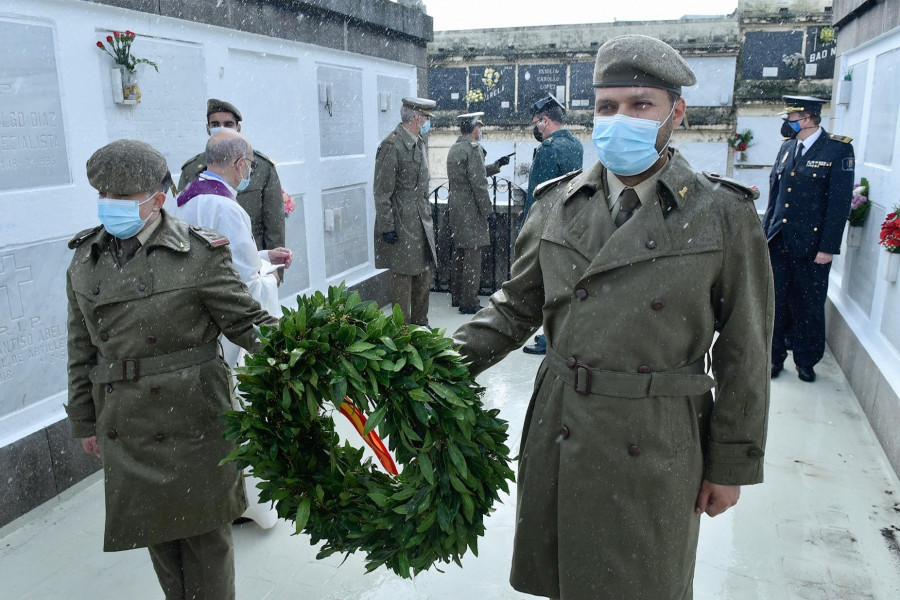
787, 205
651, 245
581, 293
159, 437
789, 189
104, 336
815, 228
792, 173
657, 304
564, 432
784, 220
571, 362
112, 434
154, 389
643, 369
753, 453
108, 388
634, 450
142, 287
97, 290
151, 339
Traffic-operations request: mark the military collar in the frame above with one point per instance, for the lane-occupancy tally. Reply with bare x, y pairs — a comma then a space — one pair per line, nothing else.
464, 138
675, 180
409, 140
171, 233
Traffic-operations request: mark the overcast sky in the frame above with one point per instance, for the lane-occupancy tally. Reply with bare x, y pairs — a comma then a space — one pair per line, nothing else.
478, 14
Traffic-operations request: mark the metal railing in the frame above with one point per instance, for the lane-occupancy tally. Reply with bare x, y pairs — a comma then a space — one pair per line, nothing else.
497, 258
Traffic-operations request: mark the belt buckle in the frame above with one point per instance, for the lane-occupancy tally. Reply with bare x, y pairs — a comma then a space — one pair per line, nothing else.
582, 378
135, 368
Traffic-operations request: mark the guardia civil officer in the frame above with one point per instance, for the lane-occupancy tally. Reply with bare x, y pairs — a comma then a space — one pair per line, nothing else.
810, 188
404, 232
262, 198
559, 153
147, 298
470, 210
632, 268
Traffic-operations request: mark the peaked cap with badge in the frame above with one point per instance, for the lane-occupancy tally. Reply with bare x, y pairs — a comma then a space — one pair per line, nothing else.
473, 117
803, 104
423, 105
546, 103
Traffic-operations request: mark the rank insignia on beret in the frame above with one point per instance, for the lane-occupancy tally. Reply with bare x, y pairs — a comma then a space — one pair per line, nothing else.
848, 164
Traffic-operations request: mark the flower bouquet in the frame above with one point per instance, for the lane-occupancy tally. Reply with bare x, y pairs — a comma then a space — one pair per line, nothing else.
289, 204
474, 96
739, 142
859, 210
118, 47
490, 78
890, 239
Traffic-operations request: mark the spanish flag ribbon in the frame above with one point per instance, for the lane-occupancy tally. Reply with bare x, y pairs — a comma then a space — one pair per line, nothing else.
355, 416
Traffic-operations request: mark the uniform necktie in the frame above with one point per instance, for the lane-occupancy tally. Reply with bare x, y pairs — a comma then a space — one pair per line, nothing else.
126, 249
628, 202
798, 154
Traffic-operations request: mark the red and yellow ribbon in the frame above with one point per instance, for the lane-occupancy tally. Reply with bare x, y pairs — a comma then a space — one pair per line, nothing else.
355, 416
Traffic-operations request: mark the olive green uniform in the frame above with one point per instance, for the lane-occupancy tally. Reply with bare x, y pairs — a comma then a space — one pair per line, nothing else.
401, 205
146, 377
469, 206
263, 199
622, 426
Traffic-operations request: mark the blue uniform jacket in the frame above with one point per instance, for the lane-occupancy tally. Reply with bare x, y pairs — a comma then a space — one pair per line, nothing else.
809, 200
557, 155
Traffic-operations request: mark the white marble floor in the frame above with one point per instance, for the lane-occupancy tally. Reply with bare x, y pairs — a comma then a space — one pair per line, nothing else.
824, 526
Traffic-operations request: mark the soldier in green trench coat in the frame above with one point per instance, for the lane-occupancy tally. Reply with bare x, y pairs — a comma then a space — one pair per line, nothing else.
624, 444
148, 297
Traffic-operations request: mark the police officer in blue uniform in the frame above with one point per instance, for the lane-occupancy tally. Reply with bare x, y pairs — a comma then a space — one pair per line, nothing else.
810, 188
560, 152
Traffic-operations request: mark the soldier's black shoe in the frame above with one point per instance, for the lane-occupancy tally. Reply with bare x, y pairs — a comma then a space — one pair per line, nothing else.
806, 374
535, 349
470, 310
777, 369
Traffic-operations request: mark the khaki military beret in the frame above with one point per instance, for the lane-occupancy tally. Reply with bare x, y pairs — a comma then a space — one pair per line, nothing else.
423, 105
641, 61
127, 167
213, 106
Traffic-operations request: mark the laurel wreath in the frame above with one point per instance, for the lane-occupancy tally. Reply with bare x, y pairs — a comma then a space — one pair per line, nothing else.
415, 389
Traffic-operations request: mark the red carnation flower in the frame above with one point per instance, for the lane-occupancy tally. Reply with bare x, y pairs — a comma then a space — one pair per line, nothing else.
109, 39
99, 44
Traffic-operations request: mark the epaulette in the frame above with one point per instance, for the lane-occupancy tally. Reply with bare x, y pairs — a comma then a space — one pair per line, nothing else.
844, 139
474, 144
192, 159
213, 239
263, 156
83, 235
748, 192
547, 141
543, 187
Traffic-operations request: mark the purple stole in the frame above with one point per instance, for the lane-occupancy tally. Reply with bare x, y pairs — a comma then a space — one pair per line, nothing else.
198, 187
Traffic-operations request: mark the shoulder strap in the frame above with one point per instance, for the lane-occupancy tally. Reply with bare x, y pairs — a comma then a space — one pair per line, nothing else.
747, 192
213, 239
81, 236
543, 187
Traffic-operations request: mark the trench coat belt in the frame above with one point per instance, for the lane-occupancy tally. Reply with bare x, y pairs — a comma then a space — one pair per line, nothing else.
132, 369
690, 380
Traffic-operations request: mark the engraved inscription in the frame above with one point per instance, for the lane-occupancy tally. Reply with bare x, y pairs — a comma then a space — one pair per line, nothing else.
32, 136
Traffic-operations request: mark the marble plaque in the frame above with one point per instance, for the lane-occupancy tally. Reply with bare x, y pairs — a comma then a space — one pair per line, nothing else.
274, 123
536, 81
296, 279
32, 136
447, 87
390, 92
171, 115
715, 81
496, 85
765, 52
340, 104
863, 262
883, 114
32, 324
346, 239
820, 54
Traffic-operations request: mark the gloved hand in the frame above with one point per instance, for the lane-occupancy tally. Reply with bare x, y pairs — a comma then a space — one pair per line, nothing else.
390, 237
492, 218
502, 161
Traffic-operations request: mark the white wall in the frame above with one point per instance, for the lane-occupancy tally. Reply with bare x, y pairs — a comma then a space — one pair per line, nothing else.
859, 290
274, 84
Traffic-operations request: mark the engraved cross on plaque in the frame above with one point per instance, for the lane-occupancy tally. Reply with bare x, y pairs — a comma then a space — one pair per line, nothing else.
13, 277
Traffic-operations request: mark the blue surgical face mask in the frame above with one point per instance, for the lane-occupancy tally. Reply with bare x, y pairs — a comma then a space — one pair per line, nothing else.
627, 145
426, 127
214, 130
245, 181
121, 218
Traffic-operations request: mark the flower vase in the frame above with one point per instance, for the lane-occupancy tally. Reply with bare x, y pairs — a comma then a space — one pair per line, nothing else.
892, 266
130, 90
854, 236
742, 156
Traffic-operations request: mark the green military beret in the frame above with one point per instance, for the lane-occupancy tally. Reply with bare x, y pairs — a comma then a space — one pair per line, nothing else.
423, 105
641, 61
213, 106
126, 167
